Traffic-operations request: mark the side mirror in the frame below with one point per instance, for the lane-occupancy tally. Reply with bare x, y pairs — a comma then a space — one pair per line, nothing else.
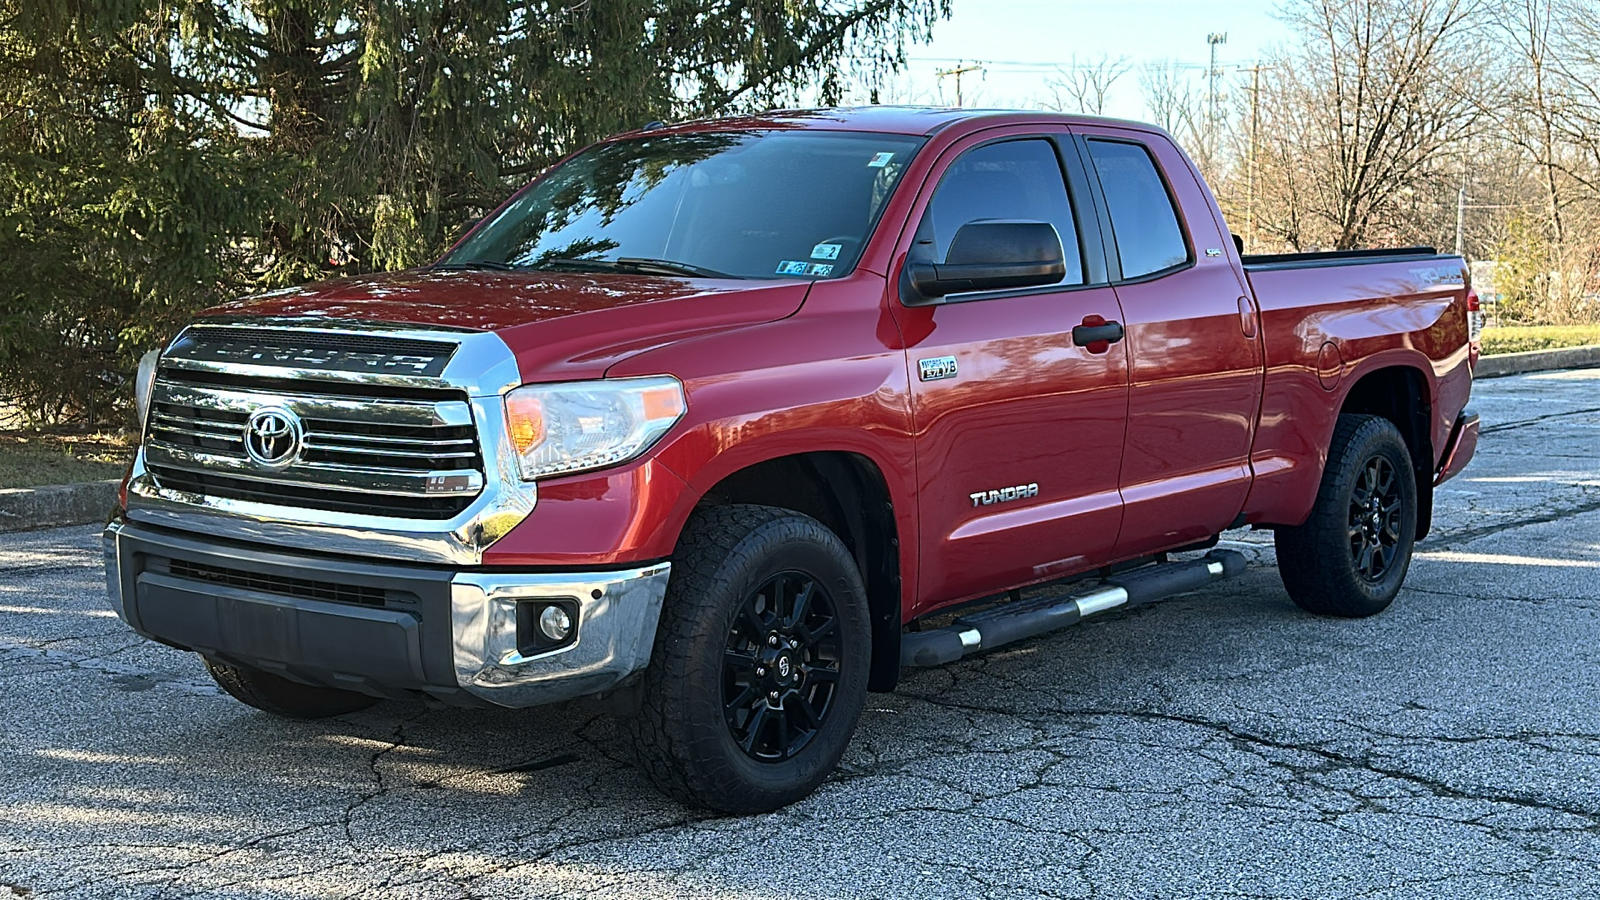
988, 255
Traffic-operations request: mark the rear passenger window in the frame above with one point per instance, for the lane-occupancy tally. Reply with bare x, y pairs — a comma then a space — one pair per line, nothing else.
1143, 220
1007, 181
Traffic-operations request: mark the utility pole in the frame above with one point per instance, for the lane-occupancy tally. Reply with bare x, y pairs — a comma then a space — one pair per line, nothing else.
1214, 76
1250, 168
1461, 215
958, 71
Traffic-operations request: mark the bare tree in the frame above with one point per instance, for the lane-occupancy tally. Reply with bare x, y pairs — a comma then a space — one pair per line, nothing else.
1172, 99
1368, 104
1083, 87
1526, 104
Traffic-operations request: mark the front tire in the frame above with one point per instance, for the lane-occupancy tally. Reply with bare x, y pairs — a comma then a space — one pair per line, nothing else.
759, 671
282, 697
1350, 558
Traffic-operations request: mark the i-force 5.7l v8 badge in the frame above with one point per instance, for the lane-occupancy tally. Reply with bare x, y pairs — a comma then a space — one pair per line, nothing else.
937, 368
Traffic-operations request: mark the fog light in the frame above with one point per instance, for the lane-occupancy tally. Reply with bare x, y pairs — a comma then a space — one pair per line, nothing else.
555, 623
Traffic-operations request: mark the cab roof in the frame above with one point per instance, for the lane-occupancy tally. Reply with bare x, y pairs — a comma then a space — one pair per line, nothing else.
911, 120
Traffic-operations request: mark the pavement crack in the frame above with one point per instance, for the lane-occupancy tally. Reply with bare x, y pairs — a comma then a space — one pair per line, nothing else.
380, 786
1445, 540
1340, 760
1524, 423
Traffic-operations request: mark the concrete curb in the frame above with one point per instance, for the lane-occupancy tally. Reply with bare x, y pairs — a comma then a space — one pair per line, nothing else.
24, 509
1537, 361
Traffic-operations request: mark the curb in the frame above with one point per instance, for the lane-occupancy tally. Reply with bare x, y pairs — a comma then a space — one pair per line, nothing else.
52, 506
1537, 361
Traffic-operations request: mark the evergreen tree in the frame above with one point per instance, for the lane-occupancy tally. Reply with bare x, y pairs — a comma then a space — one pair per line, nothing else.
160, 155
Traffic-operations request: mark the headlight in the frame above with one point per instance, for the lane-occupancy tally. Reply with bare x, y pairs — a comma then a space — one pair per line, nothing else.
557, 429
144, 383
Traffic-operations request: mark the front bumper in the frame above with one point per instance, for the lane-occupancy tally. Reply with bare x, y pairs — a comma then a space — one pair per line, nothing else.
463, 637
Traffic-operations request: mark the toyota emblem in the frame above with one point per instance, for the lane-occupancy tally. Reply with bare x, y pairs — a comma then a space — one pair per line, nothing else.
272, 436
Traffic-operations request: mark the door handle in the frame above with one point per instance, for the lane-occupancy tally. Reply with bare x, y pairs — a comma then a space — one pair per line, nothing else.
1096, 334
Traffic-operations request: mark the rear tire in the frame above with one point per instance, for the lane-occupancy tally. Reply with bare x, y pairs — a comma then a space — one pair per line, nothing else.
282, 697
760, 665
1350, 558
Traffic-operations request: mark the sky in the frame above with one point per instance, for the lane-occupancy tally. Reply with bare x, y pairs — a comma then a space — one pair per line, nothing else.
1021, 42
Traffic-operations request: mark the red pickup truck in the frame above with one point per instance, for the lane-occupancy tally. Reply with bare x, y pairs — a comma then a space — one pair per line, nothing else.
732, 420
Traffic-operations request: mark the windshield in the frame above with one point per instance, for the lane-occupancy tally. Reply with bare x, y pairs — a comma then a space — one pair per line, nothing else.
727, 204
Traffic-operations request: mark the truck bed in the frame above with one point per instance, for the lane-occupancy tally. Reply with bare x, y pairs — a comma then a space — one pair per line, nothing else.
1331, 320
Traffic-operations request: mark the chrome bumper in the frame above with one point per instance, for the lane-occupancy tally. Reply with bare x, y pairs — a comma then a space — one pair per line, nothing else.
617, 615
451, 635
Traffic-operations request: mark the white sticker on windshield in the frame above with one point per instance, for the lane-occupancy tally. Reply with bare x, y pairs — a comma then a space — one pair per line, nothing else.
822, 269
791, 267
881, 160
825, 251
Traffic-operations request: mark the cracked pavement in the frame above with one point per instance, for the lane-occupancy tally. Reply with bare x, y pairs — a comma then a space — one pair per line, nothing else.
1221, 744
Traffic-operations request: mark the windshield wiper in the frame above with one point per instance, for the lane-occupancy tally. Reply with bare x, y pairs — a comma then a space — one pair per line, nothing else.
637, 264
473, 265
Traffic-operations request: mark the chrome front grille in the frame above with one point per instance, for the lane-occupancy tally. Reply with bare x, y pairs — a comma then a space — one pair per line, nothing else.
402, 451
409, 453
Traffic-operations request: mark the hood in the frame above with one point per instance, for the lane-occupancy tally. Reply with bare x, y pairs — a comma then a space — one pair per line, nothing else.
561, 326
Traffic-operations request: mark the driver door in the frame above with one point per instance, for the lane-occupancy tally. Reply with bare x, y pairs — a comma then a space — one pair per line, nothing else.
1019, 431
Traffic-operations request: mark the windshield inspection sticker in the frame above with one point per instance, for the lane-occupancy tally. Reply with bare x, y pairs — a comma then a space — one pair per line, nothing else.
825, 251
881, 160
791, 267
822, 269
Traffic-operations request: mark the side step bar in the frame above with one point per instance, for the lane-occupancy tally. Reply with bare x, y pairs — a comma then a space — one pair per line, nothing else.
1011, 622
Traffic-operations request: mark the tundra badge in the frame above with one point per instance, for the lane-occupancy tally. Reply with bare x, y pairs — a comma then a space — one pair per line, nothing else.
1005, 495
937, 368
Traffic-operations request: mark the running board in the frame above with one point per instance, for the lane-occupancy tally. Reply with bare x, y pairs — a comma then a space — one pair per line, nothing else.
1011, 622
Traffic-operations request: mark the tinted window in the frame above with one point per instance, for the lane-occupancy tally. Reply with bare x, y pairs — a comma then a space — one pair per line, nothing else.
744, 204
1011, 180
1142, 218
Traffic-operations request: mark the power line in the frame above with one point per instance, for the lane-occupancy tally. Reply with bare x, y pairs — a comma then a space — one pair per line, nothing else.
1029, 63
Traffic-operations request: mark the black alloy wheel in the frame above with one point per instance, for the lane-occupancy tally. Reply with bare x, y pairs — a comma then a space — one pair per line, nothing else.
1375, 519
781, 668
1350, 557
759, 670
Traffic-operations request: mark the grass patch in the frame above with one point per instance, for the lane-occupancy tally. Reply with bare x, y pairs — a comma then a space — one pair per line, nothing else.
32, 459
1522, 338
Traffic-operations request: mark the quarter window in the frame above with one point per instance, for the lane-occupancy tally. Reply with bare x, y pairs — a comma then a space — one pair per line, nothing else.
1008, 181
1143, 220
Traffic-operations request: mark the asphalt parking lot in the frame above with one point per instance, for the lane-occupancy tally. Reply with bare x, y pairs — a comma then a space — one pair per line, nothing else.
1221, 744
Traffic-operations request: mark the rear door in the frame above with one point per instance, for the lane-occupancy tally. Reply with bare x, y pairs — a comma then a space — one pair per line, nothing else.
1192, 345
1019, 430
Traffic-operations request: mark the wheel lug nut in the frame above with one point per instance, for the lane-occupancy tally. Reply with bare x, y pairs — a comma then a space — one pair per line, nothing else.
772, 640
760, 671
773, 696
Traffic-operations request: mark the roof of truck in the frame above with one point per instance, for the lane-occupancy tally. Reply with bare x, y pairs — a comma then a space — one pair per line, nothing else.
917, 120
